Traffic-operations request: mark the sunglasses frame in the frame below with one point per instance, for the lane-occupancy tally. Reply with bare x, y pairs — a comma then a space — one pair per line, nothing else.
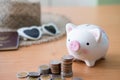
45, 31
41, 30
25, 36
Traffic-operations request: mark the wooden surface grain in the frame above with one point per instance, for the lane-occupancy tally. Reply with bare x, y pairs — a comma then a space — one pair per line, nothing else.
30, 58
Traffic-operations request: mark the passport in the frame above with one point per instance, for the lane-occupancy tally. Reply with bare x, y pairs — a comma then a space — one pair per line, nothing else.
9, 40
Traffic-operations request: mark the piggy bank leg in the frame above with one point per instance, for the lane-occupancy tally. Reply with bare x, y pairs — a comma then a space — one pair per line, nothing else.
90, 63
103, 57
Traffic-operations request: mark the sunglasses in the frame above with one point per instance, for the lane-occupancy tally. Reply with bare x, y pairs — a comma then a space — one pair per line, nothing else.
36, 32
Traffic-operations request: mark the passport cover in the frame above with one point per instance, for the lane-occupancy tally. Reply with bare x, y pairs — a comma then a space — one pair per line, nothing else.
9, 40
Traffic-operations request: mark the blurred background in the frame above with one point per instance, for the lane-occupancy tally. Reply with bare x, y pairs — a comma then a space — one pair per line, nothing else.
12, 12
78, 2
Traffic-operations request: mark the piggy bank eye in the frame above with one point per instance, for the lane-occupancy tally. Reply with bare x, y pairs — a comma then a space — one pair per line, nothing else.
88, 43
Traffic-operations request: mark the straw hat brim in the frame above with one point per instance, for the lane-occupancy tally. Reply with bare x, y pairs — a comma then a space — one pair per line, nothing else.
46, 18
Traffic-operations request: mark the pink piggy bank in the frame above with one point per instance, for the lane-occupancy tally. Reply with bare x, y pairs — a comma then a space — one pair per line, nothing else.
88, 43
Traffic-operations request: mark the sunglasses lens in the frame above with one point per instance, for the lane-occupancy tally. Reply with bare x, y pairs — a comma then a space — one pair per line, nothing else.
32, 32
50, 29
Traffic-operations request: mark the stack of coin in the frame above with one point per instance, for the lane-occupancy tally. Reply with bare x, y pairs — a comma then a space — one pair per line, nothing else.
44, 69
55, 66
67, 66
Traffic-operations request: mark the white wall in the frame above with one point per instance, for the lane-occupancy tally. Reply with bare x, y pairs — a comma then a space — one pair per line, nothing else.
64, 2
44, 2
73, 2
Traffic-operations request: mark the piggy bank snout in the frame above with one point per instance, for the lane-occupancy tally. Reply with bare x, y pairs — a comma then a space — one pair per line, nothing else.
74, 45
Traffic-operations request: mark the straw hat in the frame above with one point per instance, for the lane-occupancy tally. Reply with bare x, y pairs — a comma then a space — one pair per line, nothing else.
21, 14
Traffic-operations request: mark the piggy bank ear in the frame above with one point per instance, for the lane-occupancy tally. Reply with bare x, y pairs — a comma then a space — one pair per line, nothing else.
69, 27
97, 34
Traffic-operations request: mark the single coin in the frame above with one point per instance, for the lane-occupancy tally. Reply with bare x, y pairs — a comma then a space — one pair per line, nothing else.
45, 77
44, 69
55, 62
32, 78
22, 75
67, 58
34, 74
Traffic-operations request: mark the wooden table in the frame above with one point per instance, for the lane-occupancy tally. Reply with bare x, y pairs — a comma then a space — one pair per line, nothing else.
30, 58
